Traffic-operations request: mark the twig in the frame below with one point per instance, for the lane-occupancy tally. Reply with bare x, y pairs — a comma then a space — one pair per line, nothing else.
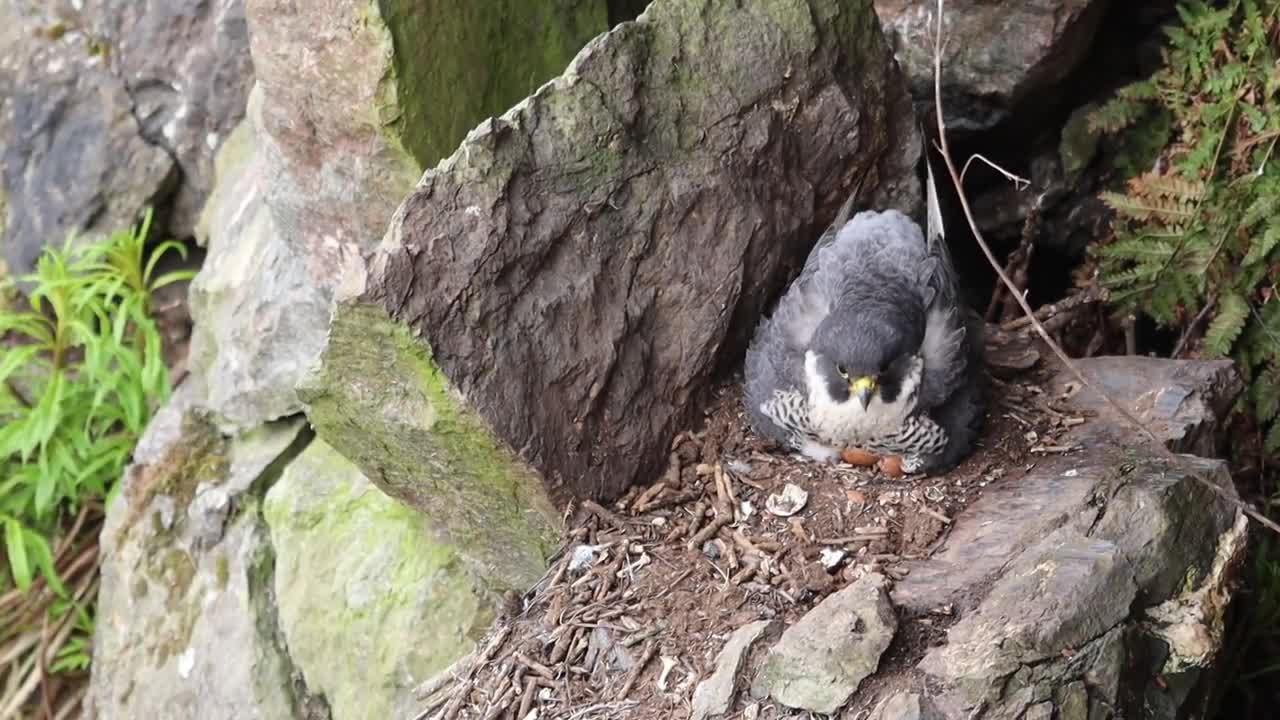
46, 697
1191, 328
533, 665
650, 650
61, 633
526, 702
1019, 182
605, 514
708, 531
935, 514
1066, 305
944, 149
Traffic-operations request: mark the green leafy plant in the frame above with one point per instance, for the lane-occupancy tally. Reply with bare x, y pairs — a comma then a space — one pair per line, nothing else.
1196, 239
81, 371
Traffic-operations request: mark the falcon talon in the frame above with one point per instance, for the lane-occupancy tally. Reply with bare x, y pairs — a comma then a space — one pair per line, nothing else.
871, 347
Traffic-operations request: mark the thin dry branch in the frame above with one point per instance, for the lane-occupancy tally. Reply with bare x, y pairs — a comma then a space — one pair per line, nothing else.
945, 150
1019, 182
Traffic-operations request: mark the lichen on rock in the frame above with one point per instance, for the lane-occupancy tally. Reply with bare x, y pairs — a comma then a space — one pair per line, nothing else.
398, 418
181, 609
357, 577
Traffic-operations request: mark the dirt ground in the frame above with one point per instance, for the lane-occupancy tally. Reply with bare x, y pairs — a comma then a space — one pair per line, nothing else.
632, 614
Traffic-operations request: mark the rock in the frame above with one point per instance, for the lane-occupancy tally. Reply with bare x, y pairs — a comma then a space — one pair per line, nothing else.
1045, 137
904, 706
72, 153
481, 499
259, 315
187, 69
369, 607
1182, 402
1043, 711
676, 179
382, 90
1066, 578
714, 696
185, 626
345, 115
1000, 55
821, 660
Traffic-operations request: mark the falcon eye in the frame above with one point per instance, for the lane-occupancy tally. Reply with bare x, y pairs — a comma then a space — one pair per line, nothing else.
843, 373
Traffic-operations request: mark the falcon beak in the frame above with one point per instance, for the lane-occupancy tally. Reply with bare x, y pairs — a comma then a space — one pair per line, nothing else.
862, 388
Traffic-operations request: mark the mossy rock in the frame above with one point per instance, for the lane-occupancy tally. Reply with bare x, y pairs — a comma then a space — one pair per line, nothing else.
370, 606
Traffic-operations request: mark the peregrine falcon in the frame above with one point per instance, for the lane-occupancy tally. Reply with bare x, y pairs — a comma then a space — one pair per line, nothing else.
872, 348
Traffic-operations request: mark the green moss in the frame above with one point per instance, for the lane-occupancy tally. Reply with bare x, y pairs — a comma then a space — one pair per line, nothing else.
1079, 143
222, 570
498, 50
174, 570
354, 569
381, 401
1135, 151
199, 457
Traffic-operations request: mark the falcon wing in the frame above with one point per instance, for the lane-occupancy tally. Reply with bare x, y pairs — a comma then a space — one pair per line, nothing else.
945, 348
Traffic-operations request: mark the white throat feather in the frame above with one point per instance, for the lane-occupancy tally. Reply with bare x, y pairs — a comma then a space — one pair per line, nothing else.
847, 424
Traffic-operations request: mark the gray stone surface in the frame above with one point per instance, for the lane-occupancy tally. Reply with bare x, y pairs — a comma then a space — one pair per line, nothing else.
1181, 402
368, 606
714, 696
998, 55
186, 66
581, 264
1066, 578
259, 315
108, 106
336, 135
186, 626
904, 706
72, 154
821, 660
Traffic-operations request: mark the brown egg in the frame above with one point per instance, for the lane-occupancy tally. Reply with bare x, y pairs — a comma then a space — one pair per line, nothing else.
891, 465
860, 458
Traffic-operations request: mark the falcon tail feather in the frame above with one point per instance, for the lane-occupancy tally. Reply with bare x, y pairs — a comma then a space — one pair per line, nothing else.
935, 228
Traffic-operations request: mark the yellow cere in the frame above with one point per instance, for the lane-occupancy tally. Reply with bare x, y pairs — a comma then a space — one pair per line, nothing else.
863, 383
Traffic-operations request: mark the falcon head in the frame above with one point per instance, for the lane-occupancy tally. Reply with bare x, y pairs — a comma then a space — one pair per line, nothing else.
856, 358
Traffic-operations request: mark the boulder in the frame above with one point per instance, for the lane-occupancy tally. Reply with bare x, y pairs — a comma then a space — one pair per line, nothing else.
820, 661
564, 285
186, 624
260, 575
999, 55
1100, 579
346, 113
187, 69
259, 314
714, 696
110, 106
368, 606
73, 158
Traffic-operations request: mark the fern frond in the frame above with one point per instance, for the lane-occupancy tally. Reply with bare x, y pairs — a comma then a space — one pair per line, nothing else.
1260, 247
1147, 208
1233, 311
1125, 108
1171, 186
1266, 394
1140, 249
1272, 443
